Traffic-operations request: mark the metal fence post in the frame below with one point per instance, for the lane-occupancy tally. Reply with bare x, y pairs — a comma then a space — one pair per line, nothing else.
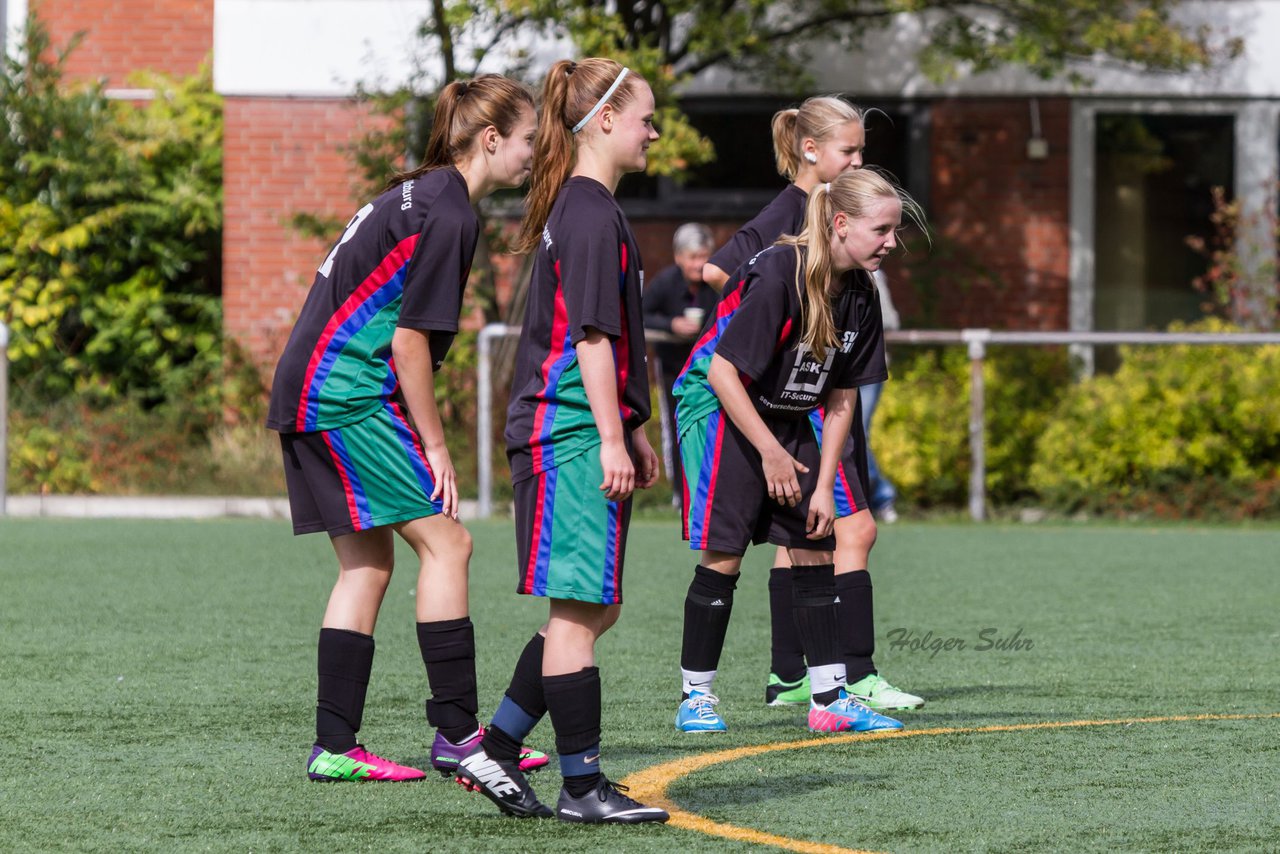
4, 417
977, 341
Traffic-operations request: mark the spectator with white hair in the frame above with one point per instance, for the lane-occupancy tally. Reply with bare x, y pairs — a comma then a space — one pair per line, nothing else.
677, 301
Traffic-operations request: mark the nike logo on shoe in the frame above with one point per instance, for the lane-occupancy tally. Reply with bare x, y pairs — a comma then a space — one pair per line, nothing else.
490, 773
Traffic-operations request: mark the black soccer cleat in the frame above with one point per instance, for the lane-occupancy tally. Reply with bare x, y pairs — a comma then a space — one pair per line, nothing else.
606, 804
501, 782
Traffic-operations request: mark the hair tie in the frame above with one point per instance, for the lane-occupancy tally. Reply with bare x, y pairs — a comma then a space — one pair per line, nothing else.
603, 100
828, 185
573, 66
462, 88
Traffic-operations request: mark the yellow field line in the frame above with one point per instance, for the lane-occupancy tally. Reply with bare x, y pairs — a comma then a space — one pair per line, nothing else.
650, 785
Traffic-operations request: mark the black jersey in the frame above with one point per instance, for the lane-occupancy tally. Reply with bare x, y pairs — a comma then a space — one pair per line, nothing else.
586, 274
758, 329
783, 215
402, 261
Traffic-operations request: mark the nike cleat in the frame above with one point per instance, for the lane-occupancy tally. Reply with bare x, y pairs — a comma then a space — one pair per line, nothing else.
358, 765
779, 693
606, 804
698, 714
876, 693
445, 755
502, 783
848, 715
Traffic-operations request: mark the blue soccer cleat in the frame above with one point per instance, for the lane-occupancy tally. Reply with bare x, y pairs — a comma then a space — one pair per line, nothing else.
697, 714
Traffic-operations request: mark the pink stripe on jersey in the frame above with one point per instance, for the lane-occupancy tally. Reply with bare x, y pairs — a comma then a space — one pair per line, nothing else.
559, 340
392, 264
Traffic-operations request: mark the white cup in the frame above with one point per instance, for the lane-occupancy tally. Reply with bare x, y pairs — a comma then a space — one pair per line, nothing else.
695, 314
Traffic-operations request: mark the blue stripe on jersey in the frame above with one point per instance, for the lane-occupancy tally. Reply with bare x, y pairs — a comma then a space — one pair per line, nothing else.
387, 293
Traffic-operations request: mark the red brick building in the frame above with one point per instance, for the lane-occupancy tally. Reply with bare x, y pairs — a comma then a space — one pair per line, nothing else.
1038, 220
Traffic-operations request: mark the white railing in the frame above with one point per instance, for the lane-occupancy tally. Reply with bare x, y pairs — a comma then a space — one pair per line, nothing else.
976, 340
4, 416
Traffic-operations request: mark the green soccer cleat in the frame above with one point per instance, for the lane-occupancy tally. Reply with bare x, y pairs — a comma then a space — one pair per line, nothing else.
876, 693
779, 693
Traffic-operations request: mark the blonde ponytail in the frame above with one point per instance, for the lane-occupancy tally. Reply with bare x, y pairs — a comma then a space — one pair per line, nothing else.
817, 118
853, 193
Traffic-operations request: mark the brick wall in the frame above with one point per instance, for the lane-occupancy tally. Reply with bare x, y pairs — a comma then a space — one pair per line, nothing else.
1001, 221
282, 156
172, 36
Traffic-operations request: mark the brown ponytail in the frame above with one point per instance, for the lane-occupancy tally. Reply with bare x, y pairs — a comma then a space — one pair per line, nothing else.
569, 92
464, 109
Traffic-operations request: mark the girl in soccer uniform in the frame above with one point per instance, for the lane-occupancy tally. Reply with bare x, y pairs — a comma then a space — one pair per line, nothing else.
364, 449
812, 145
801, 330
579, 398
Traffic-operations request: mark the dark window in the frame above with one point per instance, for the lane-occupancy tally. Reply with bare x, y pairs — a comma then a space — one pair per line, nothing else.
743, 176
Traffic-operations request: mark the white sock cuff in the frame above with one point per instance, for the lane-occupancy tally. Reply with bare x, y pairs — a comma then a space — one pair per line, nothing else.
696, 680
825, 677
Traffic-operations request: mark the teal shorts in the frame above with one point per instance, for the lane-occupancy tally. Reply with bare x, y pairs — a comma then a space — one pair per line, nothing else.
570, 541
361, 476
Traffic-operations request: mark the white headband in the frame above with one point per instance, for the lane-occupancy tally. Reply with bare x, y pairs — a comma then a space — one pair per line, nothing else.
603, 99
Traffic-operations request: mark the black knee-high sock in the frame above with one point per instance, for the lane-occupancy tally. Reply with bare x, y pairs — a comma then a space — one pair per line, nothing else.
449, 653
707, 608
523, 706
573, 701
787, 653
814, 595
857, 624
344, 662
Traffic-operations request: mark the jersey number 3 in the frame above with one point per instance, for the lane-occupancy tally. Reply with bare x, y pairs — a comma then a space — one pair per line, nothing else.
327, 266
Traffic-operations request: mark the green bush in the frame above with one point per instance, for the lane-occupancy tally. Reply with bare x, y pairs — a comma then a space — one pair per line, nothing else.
921, 430
1175, 428
110, 233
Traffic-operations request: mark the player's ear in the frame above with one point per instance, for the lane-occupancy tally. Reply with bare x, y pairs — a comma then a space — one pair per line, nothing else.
489, 139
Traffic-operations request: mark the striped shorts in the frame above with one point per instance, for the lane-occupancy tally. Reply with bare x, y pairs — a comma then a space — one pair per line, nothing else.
853, 483
570, 541
361, 476
726, 499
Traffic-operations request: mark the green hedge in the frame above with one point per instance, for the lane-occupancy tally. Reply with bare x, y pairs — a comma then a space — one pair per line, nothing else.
921, 429
1176, 431
1181, 429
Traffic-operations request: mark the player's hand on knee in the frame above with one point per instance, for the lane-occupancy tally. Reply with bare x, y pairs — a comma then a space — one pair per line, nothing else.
446, 479
619, 472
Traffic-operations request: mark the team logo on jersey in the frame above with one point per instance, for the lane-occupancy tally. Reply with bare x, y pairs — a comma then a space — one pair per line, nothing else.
846, 343
546, 238
808, 374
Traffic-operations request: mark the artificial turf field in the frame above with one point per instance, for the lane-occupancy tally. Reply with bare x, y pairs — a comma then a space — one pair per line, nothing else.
158, 695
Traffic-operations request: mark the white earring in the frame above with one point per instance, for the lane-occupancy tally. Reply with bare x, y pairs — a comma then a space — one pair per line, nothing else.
811, 157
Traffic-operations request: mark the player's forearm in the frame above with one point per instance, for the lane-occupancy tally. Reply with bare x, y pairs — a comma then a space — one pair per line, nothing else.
724, 380
600, 380
411, 349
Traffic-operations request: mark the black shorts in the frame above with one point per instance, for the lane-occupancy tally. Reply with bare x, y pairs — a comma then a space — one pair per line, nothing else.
853, 483
725, 495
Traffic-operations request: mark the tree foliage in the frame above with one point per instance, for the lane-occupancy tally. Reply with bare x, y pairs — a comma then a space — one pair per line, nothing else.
110, 232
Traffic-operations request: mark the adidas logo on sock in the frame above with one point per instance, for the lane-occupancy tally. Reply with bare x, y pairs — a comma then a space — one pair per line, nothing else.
718, 602
837, 600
